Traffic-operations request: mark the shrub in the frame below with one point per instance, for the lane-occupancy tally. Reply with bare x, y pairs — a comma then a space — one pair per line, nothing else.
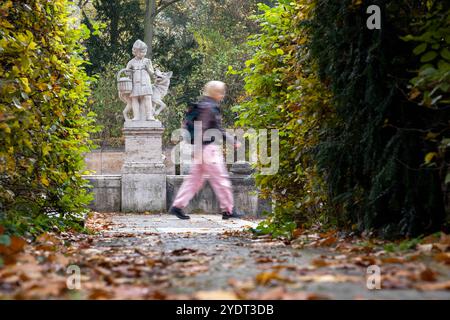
284, 93
374, 155
44, 125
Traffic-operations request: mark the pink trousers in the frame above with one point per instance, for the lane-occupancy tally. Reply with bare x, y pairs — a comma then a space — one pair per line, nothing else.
208, 164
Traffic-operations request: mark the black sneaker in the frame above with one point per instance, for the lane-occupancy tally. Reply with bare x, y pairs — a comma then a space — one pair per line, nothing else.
235, 214
179, 213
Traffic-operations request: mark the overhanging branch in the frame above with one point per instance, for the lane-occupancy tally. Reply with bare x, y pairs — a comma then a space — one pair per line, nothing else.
163, 5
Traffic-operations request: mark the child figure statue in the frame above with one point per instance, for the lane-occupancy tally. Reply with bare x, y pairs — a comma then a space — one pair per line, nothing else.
140, 97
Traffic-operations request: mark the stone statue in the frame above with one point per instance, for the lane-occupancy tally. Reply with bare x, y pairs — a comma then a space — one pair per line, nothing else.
137, 90
162, 83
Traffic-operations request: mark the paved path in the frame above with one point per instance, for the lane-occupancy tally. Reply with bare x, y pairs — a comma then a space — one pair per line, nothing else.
162, 224
206, 257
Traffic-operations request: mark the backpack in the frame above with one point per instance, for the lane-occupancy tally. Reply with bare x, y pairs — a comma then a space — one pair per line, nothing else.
190, 117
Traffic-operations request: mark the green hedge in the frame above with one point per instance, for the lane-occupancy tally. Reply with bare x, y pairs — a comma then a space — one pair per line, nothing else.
44, 126
284, 93
363, 114
377, 158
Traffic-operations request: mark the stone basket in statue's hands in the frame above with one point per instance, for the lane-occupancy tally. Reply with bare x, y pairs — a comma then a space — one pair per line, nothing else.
124, 84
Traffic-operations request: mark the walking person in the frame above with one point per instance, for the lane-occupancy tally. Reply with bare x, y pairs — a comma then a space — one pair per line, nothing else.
208, 158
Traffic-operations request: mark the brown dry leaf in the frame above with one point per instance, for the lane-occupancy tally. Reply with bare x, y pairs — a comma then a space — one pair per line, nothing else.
47, 242
241, 285
272, 294
434, 286
264, 278
47, 237
183, 251
328, 241
11, 279
445, 239
441, 247
329, 278
192, 270
264, 260
428, 275
130, 292
281, 294
309, 296
297, 233
365, 261
17, 244
392, 260
100, 294
290, 267
39, 289
103, 271
216, 295
9, 252
443, 257
59, 258
320, 263
412, 257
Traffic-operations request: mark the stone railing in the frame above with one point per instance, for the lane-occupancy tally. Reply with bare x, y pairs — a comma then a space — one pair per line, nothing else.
107, 189
142, 177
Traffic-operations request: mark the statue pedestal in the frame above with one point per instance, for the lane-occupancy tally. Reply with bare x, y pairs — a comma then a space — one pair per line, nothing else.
143, 172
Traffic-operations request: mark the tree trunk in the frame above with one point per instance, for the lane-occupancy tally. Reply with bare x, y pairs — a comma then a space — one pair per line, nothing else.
114, 28
149, 19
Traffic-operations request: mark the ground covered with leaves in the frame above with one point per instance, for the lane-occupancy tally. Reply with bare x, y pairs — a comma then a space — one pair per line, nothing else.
161, 257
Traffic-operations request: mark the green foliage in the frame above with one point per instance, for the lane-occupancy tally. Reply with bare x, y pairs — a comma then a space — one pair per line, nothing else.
116, 26
276, 228
373, 155
197, 40
404, 245
355, 149
44, 126
284, 93
105, 103
432, 83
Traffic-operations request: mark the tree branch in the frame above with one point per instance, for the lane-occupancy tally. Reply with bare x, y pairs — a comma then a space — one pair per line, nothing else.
163, 5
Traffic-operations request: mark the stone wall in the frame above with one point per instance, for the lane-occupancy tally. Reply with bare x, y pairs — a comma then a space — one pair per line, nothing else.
107, 191
107, 194
111, 161
107, 185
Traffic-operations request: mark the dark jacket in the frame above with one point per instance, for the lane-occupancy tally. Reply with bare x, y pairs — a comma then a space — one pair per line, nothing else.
210, 115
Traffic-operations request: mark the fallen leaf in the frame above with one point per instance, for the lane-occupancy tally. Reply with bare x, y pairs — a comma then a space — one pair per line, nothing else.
428, 275
329, 278
266, 277
320, 263
100, 294
433, 286
216, 295
183, 251
443, 257
264, 260
297, 233
392, 260
365, 261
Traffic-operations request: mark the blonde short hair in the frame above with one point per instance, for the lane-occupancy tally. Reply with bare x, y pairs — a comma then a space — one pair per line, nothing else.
213, 87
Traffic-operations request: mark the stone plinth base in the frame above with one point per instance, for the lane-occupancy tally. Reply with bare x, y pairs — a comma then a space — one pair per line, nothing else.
143, 171
143, 192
